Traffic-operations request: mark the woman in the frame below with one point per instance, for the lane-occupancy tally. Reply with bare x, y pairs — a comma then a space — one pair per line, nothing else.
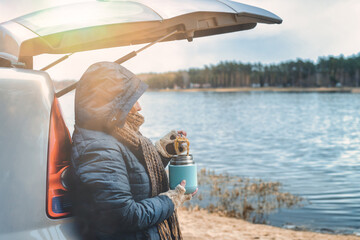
121, 189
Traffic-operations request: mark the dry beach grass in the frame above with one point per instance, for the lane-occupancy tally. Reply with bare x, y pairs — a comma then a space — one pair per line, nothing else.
201, 225
238, 197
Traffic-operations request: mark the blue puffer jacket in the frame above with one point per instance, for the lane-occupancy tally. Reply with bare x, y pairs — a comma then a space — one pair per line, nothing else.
112, 190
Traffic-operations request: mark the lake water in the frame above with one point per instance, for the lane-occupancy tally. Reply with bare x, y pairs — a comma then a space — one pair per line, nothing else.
310, 142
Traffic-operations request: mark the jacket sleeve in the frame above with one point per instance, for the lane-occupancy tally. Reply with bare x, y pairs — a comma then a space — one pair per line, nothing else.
104, 172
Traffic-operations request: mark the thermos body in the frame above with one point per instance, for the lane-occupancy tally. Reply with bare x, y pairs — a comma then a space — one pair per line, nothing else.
183, 167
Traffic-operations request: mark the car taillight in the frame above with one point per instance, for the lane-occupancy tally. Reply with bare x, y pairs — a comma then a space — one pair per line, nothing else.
58, 199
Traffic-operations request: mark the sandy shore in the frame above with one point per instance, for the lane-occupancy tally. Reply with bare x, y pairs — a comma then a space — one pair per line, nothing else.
201, 225
264, 89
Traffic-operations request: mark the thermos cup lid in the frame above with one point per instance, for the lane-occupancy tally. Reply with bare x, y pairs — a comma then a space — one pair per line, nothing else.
182, 160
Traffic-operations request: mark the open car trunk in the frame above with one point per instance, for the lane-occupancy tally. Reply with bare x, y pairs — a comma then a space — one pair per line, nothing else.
104, 24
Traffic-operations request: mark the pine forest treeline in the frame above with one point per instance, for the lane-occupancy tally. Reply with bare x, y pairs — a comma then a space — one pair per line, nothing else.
326, 72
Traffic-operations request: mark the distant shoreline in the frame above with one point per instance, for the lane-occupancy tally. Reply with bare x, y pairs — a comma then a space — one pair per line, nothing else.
265, 89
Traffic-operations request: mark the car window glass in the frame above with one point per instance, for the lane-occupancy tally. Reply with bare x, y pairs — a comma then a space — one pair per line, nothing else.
82, 15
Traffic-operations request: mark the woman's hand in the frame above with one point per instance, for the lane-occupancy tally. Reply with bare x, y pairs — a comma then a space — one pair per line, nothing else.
178, 196
182, 132
183, 183
166, 145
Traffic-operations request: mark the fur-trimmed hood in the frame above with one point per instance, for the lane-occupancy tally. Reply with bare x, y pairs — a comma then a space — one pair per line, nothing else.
104, 96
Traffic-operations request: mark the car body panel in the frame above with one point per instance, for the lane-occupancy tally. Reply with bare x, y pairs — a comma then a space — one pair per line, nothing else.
26, 98
104, 24
59, 230
11, 37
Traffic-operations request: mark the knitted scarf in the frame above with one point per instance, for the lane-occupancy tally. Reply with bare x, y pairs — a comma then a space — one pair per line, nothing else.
131, 136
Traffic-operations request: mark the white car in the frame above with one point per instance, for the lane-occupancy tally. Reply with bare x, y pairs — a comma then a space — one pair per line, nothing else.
34, 140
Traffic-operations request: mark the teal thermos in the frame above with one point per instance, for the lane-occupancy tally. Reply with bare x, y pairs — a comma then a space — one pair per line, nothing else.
183, 167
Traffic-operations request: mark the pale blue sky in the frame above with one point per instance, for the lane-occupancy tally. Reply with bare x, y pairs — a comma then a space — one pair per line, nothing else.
310, 29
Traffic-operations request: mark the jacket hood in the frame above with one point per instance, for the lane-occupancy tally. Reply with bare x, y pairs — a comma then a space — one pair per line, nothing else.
105, 95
